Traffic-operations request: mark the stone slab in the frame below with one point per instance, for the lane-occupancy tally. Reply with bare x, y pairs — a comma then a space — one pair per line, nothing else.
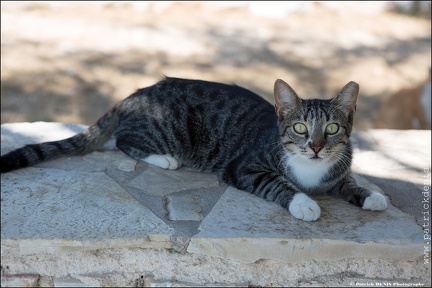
185, 208
161, 182
61, 247
45, 203
244, 227
54, 210
68, 282
20, 280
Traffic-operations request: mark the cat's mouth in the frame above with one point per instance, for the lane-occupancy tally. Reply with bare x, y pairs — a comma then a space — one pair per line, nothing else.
316, 158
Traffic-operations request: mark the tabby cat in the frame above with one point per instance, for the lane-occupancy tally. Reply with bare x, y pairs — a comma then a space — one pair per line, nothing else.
283, 154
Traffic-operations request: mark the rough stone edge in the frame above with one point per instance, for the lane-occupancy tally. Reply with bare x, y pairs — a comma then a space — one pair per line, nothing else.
136, 267
25, 247
300, 250
20, 280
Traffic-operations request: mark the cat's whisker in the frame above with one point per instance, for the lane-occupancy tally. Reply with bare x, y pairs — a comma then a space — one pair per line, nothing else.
291, 158
344, 160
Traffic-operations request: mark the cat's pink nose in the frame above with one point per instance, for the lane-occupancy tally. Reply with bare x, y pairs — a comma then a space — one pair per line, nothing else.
316, 149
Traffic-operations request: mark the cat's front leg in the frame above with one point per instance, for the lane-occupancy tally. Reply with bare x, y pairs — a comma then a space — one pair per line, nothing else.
359, 196
376, 201
304, 208
274, 187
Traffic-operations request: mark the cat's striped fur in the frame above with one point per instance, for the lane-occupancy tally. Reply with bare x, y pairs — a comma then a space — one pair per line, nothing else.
301, 149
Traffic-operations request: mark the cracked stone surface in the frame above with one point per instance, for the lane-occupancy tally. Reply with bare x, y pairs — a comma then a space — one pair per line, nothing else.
72, 206
105, 200
162, 182
188, 207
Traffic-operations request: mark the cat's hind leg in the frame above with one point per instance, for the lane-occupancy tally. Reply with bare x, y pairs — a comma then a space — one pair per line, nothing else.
164, 161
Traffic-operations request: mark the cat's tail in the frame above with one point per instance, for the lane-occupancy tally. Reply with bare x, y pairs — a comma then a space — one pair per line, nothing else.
85, 142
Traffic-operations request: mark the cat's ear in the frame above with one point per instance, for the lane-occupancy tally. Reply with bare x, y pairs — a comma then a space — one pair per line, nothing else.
346, 99
285, 98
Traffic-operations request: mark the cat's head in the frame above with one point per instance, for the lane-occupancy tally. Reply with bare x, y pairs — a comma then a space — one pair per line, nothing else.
316, 129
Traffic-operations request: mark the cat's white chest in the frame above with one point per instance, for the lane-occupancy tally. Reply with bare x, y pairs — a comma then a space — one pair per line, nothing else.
309, 172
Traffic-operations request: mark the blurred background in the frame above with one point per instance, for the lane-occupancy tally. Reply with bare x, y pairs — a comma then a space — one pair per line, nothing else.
71, 61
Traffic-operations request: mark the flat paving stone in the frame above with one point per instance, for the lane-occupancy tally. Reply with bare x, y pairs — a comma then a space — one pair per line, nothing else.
53, 211
44, 203
184, 208
244, 227
161, 182
20, 280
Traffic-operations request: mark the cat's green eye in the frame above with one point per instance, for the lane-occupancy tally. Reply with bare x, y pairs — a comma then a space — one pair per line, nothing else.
300, 128
332, 128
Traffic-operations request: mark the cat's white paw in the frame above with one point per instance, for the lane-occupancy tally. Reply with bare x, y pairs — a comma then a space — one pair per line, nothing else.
376, 201
163, 161
304, 208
